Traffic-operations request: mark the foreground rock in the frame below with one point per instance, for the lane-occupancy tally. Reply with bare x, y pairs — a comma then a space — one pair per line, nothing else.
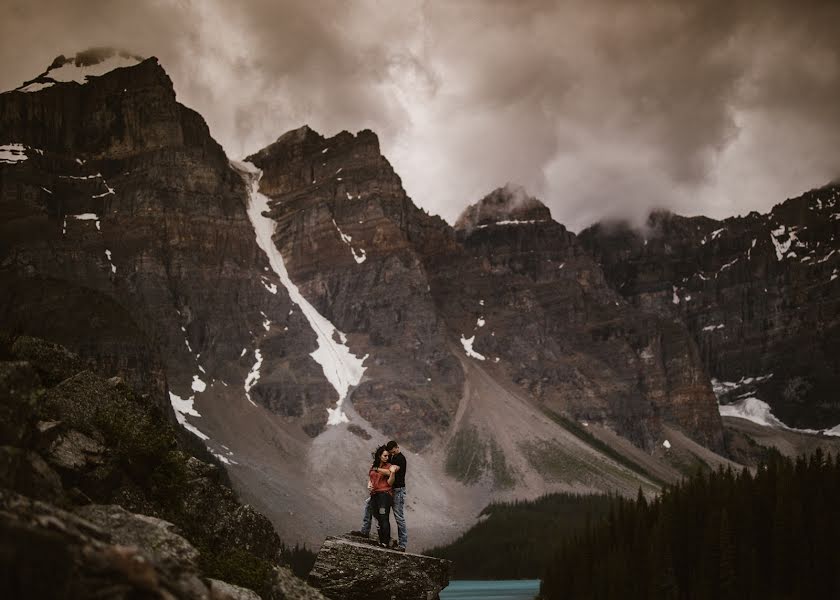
99, 499
350, 568
108, 552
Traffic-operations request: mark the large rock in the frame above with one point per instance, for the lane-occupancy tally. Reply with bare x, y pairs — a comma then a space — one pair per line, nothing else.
352, 568
156, 540
46, 552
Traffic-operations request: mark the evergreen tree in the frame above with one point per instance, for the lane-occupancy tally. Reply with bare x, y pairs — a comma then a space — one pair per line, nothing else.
771, 535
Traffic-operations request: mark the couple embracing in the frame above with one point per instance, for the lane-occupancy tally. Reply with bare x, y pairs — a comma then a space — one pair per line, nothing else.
386, 484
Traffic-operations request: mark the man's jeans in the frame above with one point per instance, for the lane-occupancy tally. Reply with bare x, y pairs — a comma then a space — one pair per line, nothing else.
399, 516
366, 517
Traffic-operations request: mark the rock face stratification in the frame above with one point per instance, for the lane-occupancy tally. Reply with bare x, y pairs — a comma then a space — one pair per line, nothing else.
529, 296
353, 242
759, 295
354, 568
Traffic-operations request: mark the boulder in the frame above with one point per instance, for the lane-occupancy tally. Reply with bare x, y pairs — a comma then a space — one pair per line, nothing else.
76, 451
156, 540
51, 553
351, 568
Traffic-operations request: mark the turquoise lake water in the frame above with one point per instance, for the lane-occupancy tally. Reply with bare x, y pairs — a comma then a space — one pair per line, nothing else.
515, 589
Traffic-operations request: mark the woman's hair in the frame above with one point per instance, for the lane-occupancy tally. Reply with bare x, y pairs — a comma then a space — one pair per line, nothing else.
376, 454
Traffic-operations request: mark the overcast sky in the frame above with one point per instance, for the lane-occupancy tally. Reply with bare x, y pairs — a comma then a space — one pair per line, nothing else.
600, 109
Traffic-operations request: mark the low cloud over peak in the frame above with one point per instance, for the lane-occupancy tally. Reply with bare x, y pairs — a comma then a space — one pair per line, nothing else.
602, 110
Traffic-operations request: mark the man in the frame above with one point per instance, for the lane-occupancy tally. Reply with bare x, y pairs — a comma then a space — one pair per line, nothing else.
398, 459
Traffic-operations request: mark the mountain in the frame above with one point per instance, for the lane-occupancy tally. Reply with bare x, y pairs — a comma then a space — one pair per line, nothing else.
758, 293
293, 310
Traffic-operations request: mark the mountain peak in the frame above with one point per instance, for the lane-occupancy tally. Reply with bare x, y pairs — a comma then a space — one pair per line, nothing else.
92, 62
299, 135
504, 205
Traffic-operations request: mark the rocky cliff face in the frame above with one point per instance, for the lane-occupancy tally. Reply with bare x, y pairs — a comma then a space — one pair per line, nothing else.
125, 236
758, 293
352, 241
525, 294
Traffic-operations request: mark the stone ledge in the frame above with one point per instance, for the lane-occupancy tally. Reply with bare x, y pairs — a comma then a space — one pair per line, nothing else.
353, 568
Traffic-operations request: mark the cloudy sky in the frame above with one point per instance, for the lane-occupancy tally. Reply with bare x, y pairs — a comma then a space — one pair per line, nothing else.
601, 109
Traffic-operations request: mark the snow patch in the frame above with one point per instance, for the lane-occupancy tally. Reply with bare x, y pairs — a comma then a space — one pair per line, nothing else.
341, 367
358, 255
223, 458
751, 409
87, 217
81, 177
727, 265
253, 376
108, 255
271, 287
826, 257
70, 72
36, 86
12, 153
512, 222
198, 385
667, 444
720, 387
467, 343
713, 327
782, 248
480, 322
182, 408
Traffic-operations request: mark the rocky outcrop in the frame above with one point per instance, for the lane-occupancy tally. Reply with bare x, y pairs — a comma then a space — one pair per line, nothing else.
355, 568
758, 294
107, 552
146, 514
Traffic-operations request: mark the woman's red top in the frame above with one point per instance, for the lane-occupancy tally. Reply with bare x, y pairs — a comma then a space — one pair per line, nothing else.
380, 481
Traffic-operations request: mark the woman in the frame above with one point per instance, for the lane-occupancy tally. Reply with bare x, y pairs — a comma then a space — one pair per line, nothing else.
381, 481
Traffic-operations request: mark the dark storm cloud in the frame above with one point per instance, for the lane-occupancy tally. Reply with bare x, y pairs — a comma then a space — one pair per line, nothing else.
602, 109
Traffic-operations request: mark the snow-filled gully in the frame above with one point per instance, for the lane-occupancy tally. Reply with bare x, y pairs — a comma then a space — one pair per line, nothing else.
341, 367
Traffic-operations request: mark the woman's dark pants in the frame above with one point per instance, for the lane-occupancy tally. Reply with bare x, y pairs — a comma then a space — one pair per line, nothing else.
381, 505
